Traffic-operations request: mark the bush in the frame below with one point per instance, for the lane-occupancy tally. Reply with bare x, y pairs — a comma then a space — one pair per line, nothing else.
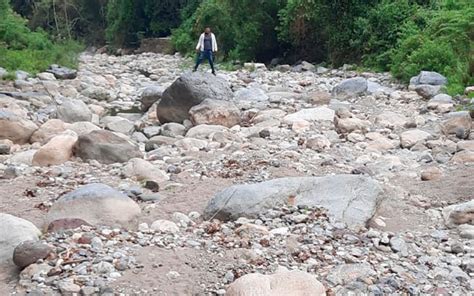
443, 43
244, 29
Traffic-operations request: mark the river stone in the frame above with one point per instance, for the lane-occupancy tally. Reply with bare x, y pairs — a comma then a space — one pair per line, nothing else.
190, 90
28, 252
312, 114
350, 87
428, 91
428, 77
15, 128
83, 127
457, 123
409, 138
143, 170
48, 130
13, 231
72, 110
105, 147
62, 72
57, 151
458, 214
283, 283
345, 274
215, 112
251, 94
97, 204
350, 199
150, 95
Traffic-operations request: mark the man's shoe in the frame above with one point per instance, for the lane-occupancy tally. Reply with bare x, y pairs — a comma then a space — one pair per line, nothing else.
214, 73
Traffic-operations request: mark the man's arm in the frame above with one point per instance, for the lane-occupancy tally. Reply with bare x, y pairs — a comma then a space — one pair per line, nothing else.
198, 46
214, 42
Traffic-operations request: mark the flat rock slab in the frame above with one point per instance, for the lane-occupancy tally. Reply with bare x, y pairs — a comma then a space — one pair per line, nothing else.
348, 198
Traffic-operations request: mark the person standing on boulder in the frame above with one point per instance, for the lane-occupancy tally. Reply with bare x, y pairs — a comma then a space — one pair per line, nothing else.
206, 47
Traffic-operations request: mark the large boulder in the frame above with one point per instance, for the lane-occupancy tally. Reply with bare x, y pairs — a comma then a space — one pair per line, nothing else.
15, 128
215, 112
57, 151
13, 231
48, 130
72, 110
349, 199
190, 90
105, 147
350, 87
282, 283
457, 123
429, 78
97, 204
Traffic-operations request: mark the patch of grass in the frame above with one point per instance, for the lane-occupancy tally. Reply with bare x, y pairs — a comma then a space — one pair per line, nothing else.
38, 60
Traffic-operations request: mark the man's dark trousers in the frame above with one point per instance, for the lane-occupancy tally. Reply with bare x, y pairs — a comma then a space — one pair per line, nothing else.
206, 54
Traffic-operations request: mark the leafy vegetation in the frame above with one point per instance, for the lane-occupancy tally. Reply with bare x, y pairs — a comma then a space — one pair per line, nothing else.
32, 51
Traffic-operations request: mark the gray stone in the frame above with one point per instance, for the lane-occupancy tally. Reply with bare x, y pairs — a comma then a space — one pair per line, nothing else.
430, 78
105, 147
350, 199
190, 90
173, 129
97, 93
13, 231
350, 87
457, 123
150, 96
252, 94
347, 273
97, 204
28, 252
205, 131
72, 110
62, 72
410, 138
428, 91
151, 131
118, 124
458, 214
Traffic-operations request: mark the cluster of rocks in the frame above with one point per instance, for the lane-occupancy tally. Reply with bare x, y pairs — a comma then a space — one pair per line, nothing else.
322, 255
138, 118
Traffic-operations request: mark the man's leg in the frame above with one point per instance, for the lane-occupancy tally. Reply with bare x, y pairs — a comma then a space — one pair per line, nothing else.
210, 58
199, 59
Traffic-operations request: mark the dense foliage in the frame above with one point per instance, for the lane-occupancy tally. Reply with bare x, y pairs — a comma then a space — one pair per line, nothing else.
33, 51
401, 36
